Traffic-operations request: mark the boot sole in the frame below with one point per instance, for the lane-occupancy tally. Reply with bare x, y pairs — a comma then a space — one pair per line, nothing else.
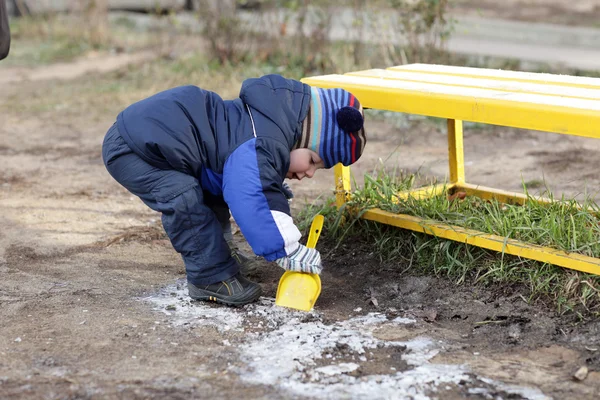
234, 301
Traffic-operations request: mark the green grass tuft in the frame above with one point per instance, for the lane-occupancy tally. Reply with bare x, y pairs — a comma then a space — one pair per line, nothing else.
563, 224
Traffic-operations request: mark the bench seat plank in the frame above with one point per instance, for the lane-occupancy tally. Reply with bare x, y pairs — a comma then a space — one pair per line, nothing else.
483, 83
555, 79
575, 116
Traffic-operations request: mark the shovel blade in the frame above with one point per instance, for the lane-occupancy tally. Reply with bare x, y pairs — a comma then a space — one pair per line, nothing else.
298, 290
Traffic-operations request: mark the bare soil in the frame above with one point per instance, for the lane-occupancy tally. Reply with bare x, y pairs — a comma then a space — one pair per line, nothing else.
79, 254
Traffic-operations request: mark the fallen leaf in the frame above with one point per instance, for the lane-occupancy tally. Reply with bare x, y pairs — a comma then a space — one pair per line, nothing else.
457, 195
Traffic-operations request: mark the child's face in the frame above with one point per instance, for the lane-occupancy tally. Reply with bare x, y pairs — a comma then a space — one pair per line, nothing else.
304, 163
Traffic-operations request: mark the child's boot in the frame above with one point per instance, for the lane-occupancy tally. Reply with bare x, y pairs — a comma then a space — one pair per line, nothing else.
235, 291
249, 265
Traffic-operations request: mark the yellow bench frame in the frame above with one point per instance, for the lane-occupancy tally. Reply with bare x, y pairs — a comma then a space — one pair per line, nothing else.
545, 102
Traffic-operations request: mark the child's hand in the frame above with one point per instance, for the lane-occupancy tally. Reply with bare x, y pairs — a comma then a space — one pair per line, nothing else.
304, 259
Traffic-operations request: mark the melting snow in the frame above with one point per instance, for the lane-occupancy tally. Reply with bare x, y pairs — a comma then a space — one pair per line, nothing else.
293, 366
290, 348
174, 301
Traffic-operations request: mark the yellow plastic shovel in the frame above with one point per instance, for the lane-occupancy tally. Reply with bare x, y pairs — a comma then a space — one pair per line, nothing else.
300, 290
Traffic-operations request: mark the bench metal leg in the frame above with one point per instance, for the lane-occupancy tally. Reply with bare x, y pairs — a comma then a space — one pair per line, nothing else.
342, 184
455, 151
504, 245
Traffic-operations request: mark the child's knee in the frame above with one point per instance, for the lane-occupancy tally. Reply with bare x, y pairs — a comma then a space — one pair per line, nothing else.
113, 147
185, 211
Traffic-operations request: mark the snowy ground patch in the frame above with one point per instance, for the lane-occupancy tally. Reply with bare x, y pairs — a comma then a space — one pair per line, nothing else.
345, 348
302, 355
174, 301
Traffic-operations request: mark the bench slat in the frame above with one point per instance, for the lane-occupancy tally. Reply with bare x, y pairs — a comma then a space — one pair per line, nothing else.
533, 77
521, 110
483, 83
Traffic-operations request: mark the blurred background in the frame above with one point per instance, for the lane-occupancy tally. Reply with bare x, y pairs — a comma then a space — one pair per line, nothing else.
75, 64
78, 63
302, 37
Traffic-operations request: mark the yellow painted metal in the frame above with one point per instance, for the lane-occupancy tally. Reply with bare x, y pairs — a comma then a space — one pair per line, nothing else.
299, 290
491, 242
502, 196
505, 197
483, 82
491, 107
526, 105
342, 184
501, 75
423, 192
456, 157
482, 192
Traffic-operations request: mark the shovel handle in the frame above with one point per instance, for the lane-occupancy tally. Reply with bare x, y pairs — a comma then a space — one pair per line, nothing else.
315, 231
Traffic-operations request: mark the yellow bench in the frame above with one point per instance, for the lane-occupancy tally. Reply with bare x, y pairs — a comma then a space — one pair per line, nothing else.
545, 102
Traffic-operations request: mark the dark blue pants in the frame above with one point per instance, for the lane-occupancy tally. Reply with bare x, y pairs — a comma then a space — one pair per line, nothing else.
191, 217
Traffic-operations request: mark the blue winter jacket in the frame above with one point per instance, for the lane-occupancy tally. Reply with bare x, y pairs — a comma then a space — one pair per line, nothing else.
196, 132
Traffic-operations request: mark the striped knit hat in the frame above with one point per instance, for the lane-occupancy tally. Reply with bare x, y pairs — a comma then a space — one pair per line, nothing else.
333, 127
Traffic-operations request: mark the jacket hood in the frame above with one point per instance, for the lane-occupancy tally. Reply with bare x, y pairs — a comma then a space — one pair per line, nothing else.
285, 102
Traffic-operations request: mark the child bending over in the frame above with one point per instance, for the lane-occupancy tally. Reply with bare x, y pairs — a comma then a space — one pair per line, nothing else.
195, 158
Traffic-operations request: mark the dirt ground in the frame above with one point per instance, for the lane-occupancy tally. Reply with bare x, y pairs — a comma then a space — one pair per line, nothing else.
93, 305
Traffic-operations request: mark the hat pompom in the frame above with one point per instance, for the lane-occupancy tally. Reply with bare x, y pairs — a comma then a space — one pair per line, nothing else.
350, 119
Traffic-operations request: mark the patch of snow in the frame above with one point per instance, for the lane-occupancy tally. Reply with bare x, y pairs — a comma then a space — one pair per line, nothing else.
173, 300
422, 350
300, 345
342, 368
276, 316
378, 319
525, 392
368, 319
297, 352
400, 320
